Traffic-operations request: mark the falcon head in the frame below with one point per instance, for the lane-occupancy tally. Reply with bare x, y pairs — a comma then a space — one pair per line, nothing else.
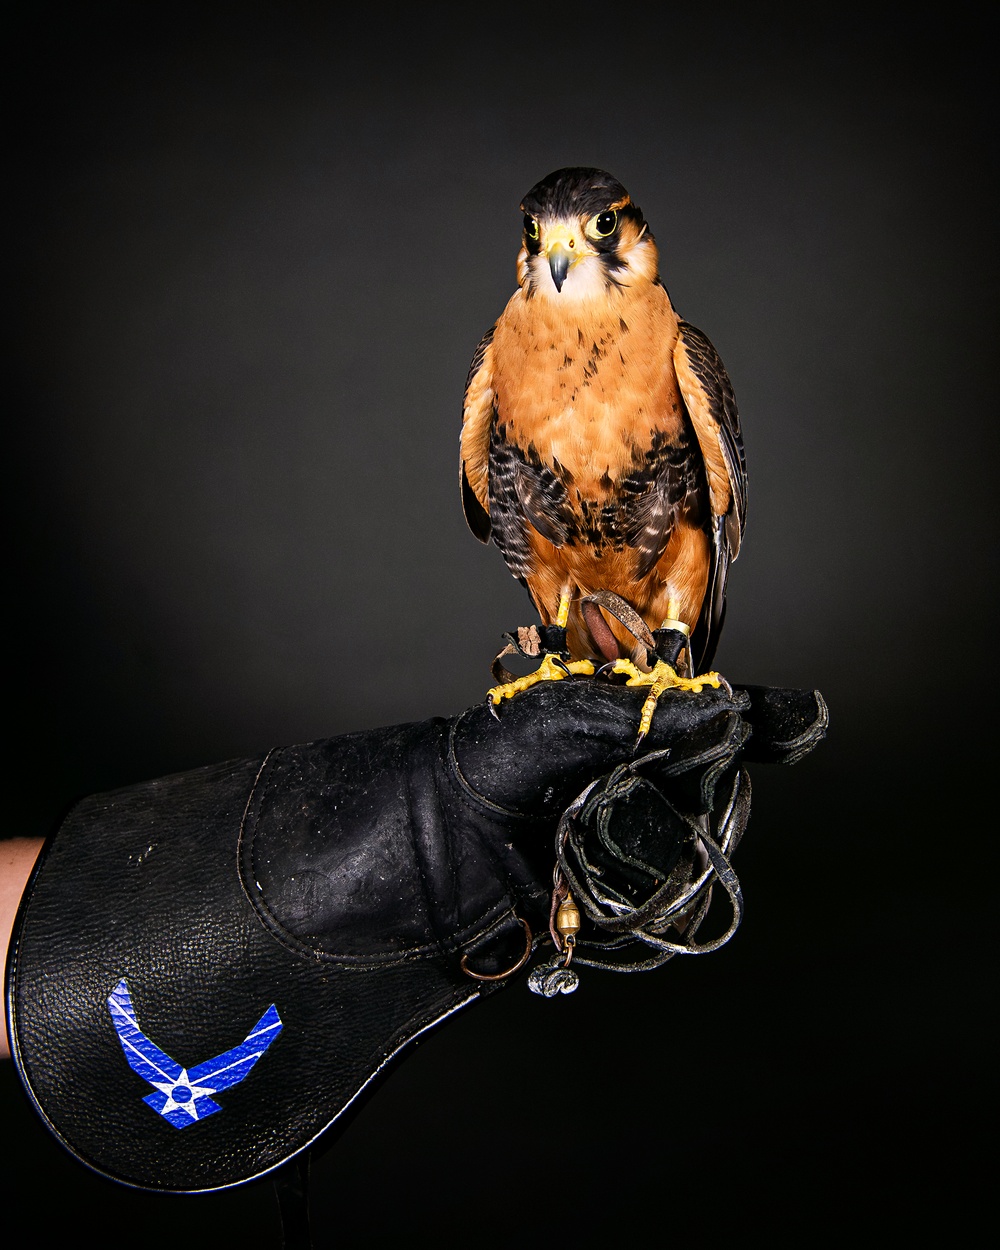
583, 237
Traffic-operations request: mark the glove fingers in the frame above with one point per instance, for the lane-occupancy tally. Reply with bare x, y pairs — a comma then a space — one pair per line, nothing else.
786, 724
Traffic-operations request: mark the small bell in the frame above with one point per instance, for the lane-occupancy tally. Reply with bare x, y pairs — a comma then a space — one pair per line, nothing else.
556, 976
568, 925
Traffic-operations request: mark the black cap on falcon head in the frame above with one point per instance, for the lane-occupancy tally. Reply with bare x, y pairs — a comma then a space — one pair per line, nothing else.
578, 215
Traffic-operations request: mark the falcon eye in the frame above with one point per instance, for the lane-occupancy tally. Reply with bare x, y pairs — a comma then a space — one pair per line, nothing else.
604, 223
530, 227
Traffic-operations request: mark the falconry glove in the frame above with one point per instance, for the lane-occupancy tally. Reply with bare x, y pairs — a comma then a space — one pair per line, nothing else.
208, 968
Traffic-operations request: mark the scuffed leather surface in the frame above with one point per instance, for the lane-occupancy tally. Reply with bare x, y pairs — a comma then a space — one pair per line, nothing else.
785, 724
144, 884
341, 880
544, 750
366, 850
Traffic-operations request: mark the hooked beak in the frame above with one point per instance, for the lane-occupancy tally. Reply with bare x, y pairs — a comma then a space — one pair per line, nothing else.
563, 245
559, 263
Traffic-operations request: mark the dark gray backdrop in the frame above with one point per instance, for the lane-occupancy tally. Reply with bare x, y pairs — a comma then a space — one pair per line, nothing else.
251, 253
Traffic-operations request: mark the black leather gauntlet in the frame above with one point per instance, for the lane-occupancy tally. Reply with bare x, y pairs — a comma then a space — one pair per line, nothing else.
208, 968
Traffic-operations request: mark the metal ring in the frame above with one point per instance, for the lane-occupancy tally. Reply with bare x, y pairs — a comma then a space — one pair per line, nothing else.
679, 626
509, 972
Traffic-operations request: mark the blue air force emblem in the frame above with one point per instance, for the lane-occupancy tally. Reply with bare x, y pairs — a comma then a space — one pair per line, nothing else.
184, 1095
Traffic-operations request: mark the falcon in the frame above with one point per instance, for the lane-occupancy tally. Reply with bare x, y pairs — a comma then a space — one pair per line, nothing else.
601, 449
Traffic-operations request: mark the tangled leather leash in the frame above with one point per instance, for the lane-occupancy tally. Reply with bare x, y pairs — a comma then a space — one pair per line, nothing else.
626, 856
637, 866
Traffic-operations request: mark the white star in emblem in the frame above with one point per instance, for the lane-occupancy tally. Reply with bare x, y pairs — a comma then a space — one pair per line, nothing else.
188, 1094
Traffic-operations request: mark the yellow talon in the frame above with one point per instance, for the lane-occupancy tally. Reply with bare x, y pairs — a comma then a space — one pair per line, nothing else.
661, 677
552, 668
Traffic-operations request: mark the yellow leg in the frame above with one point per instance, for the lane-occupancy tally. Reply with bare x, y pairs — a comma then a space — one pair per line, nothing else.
661, 677
552, 667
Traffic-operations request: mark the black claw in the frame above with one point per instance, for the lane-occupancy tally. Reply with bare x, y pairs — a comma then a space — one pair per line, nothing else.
493, 710
557, 659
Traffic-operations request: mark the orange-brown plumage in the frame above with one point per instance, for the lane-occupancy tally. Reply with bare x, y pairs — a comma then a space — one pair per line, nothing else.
600, 443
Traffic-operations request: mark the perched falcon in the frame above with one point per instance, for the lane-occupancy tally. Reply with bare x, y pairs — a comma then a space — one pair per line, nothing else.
601, 443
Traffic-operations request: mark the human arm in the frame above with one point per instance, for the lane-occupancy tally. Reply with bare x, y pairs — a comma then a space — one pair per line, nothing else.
17, 859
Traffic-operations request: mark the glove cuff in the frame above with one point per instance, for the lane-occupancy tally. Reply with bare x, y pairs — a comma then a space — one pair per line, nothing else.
207, 969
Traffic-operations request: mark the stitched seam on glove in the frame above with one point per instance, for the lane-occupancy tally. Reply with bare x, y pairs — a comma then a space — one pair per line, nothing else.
486, 804
245, 869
